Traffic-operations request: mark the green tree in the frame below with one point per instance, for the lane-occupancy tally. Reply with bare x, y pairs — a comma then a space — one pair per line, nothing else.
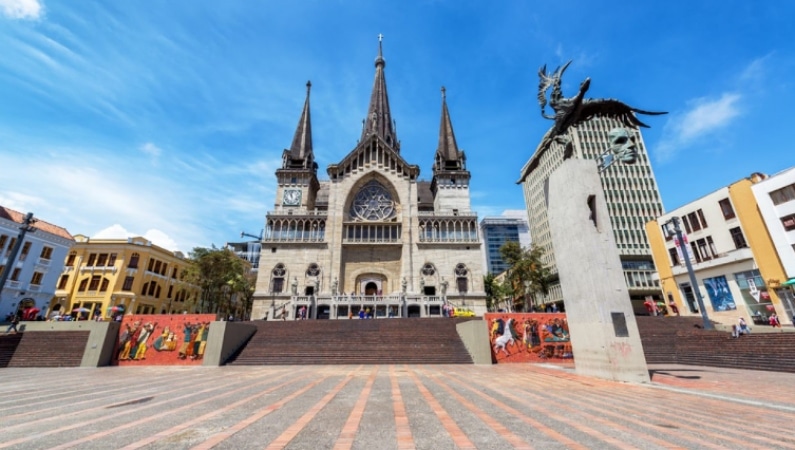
220, 274
527, 276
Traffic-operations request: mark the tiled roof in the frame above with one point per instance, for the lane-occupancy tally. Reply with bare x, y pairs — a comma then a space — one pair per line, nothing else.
18, 217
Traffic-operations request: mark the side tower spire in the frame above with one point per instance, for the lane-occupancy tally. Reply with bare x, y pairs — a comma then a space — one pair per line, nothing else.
379, 117
300, 154
297, 178
448, 157
450, 183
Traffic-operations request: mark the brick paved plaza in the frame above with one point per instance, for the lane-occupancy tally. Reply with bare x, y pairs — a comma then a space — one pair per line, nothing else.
387, 407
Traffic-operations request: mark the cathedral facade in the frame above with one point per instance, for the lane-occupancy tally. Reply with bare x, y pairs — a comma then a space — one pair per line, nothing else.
372, 239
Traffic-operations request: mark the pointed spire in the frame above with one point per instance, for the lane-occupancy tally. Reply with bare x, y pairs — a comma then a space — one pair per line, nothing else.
379, 117
301, 148
447, 154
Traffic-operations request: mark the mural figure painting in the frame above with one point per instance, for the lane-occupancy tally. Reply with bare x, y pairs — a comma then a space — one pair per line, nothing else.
170, 346
502, 342
529, 337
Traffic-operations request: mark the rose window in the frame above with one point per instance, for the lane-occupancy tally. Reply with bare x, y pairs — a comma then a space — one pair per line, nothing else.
373, 203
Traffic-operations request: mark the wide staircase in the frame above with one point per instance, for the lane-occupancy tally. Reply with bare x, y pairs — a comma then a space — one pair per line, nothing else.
659, 336
43, 349
682, 340
376, 341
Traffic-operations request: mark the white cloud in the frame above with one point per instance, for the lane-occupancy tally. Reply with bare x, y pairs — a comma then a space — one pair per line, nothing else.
705, 117
157, 237
708, 115
151, 149
21, 9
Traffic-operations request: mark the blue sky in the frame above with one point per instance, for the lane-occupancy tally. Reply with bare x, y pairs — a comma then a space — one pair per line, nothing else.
168, 119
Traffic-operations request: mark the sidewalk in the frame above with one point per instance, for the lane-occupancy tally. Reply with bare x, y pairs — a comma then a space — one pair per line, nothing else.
387, 407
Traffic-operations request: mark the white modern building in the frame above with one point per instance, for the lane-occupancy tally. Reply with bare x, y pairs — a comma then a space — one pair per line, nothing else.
734, 260
775, 198
33, 274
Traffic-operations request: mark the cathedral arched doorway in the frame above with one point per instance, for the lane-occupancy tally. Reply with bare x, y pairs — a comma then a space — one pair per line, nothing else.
371, 288
414, 311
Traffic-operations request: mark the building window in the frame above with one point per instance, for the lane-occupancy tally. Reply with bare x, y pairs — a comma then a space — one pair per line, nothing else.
112, 259
144, 288
461, 273
94, 285
151, 265
701, 218
278, 285
702, 250
694, 223
170, 291
738, 238
103, 287
694, 249
134, 261
727, 209
36, 278
3, 240
128, 282
783, 195
788, 222
687, 225
70, 260
313, 270
92, 258
83, 285
712, 248
62, 282
102, 259
15, 274
46, 253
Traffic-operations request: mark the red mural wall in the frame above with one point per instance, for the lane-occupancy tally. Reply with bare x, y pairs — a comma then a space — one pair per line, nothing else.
160, 340
529, 337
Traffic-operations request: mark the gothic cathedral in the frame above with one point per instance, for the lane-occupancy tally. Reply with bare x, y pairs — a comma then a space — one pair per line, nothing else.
372, 240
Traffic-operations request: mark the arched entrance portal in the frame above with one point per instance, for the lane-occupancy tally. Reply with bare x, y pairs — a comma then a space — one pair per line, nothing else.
371, 289
414, 311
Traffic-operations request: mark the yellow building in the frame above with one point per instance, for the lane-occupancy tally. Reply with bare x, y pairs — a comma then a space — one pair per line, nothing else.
131, 275
733, 257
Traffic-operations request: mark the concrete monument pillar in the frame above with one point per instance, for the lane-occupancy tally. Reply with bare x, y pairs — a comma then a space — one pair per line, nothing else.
602, 326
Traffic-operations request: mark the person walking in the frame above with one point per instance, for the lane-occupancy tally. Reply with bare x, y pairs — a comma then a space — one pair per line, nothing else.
13, 325
774, 322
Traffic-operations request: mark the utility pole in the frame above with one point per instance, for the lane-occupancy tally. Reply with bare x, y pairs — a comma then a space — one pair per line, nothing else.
26, 227
693, 282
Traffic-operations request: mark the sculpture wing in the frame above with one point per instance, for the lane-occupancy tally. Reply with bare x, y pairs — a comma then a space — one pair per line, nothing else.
614, 109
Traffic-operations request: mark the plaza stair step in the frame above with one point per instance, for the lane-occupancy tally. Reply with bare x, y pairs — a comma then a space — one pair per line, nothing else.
680, 340
43, 349
355, 341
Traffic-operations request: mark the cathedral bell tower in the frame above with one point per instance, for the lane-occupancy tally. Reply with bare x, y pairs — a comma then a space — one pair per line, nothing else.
450, 183
297, 178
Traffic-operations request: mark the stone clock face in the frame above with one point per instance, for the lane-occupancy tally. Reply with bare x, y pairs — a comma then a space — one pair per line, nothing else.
292, 197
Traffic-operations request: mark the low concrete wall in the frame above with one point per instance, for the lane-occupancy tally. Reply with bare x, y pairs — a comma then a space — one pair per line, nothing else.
101, 338
475, 335
224, 339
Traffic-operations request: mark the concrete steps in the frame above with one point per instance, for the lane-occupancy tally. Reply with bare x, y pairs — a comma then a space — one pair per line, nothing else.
43, 349
374, 341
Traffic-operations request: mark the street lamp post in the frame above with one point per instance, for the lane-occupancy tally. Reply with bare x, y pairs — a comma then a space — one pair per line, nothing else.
693, 282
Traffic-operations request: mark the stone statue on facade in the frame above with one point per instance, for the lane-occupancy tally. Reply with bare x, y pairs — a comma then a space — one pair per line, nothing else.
404, 284
334, 286
444, 286
294, 286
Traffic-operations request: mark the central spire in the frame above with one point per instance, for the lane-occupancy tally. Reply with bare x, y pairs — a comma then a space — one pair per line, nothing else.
379, 118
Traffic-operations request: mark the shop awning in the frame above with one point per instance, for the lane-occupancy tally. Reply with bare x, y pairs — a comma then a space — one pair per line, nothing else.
789, 282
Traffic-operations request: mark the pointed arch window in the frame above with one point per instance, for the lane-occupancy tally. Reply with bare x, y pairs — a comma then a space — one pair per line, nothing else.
277, 278
462, 278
